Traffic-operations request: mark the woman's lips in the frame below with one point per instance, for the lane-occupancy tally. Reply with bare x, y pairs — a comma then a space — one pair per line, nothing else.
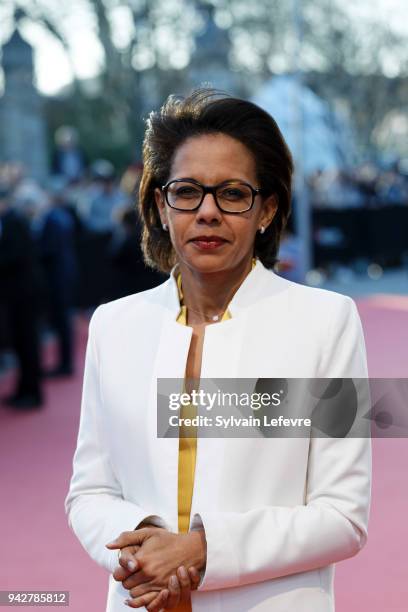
208, 243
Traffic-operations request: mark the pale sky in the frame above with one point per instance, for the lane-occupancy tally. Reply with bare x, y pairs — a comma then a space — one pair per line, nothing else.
53, 69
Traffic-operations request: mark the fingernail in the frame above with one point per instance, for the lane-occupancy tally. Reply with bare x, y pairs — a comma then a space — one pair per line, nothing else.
131, 565
127, 602
183, 572
174, 581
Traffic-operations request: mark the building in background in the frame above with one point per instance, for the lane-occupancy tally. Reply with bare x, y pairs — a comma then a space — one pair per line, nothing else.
210, 59
23, 132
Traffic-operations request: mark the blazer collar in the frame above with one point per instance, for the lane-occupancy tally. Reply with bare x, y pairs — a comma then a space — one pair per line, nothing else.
260, 283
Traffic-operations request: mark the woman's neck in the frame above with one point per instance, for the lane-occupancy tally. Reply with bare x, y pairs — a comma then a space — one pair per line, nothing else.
207, 295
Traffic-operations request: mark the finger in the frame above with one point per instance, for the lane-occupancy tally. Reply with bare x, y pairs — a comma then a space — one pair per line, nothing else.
120, 574
184, 581
138, 584
126, 562
129, 538
137, 580
195, 577
174, 592
159, 602
142, 601
144, 585
127, 558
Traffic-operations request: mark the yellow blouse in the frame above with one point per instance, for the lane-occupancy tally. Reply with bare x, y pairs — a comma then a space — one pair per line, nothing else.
187, 446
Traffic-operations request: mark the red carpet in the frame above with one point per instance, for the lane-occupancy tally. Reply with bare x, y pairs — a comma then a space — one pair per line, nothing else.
39, 552
376, 579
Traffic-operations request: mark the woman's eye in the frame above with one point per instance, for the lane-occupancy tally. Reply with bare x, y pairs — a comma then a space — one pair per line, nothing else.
187, 192
232, 194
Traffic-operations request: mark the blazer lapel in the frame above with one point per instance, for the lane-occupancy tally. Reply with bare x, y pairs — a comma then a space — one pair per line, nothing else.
171, 358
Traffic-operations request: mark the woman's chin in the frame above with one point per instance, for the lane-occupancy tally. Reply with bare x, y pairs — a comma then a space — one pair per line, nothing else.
206, 263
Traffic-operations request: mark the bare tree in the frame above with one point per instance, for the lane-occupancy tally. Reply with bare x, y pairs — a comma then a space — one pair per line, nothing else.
342, 59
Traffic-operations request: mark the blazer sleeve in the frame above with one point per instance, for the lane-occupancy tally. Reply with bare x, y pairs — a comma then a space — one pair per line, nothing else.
96, 510
273, 541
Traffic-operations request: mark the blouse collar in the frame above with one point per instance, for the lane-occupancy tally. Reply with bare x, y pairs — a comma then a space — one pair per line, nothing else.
260, 283
175, 277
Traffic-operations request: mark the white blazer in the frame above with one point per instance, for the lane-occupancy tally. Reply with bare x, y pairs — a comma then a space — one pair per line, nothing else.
277, 513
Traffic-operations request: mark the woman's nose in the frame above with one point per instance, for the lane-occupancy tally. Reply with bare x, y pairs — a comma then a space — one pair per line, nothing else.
208, 210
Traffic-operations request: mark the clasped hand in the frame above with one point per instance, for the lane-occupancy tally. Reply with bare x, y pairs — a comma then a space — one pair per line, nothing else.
159, 568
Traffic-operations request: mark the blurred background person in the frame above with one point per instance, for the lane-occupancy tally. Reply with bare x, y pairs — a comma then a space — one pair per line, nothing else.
99, 205
102, 198
57, 249
19, 293
127, 269
69, 160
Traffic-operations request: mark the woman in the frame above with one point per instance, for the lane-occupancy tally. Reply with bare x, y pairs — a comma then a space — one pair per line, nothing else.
269, 517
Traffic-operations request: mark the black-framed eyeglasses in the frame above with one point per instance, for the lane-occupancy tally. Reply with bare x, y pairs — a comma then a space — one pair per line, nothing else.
230, 196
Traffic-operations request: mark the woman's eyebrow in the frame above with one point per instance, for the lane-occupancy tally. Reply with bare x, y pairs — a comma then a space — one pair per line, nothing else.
227, 180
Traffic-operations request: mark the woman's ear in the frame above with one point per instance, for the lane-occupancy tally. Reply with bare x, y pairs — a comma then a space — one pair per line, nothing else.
269, 210
161, 206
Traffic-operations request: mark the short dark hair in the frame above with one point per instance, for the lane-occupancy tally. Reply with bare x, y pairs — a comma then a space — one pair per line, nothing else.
207, 111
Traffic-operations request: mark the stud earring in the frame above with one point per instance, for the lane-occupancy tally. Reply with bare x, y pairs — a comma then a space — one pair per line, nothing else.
261, 229
165, 227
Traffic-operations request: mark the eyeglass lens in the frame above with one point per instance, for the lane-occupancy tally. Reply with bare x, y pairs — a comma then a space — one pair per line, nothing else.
231, 197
